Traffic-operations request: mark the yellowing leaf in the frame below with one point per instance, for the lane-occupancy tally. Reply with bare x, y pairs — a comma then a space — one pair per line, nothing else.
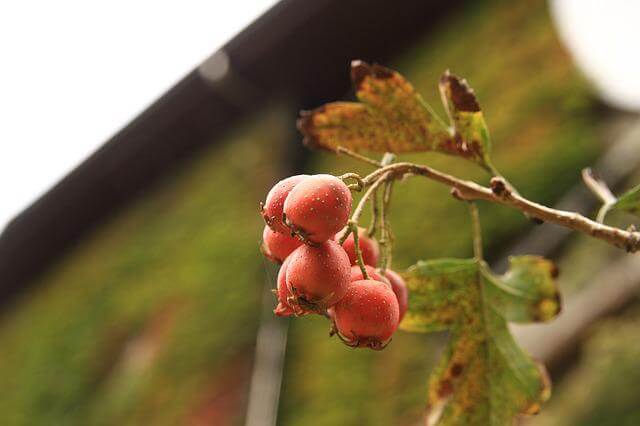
527, 292
391, 117
470, 131
484, 378
629, 201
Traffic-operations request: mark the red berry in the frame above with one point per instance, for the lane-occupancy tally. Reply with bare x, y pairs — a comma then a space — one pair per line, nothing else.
278, 246
367, 315
368, 247
318, 207
272, 208
318, 277
399, 287
356, 274
284, 309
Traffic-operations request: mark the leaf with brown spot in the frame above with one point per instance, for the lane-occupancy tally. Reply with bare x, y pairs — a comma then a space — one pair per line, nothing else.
484, 377
391, 117
470, 132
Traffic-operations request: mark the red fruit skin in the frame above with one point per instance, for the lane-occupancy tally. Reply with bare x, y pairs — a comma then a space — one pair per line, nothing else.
318, 207
274, 204
368, 246
318, 277
367, 315
276, 246
284, 309
400, 289
356, 274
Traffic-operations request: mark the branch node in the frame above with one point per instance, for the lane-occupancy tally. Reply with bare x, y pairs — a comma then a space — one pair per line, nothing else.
457, 194
633, 244
499, 187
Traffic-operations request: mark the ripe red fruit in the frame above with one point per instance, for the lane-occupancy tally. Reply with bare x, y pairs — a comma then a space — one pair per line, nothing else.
278, 246
273, 206
367, 315
318, 207
368, 246
399, 287
318, 277
284, 309
356, 274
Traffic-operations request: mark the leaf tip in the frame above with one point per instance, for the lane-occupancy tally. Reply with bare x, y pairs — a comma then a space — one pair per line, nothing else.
460, 94
360, 70
305, 125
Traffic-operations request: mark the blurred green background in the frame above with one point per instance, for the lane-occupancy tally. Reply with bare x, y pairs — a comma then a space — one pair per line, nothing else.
152, 318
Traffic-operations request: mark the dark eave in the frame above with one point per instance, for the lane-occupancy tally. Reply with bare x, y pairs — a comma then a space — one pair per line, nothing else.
300, 48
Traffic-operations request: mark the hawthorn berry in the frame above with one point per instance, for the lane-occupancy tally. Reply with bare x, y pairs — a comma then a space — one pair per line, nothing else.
399, 287
356, 274
273, 205
284, 309
318, 207
277, 246
318, 277
367, 315
368, 247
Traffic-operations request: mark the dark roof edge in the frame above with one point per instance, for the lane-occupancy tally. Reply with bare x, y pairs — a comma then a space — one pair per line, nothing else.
282, 52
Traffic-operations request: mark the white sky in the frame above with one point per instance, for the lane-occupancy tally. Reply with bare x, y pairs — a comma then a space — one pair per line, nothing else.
72, 73
604, 39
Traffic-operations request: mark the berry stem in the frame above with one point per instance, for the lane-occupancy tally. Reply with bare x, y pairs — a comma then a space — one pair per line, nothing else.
476, 231
386, 237
375, 214
356, 245
358, 186
355, 217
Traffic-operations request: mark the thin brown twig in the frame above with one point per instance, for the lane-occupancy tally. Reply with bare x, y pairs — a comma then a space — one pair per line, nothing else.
353, 154
500, 193
601, 190
598, 186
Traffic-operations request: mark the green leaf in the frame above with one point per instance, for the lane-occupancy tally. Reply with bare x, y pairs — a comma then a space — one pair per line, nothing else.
629, 201
470, 131
484, 378
527, 292
392, 117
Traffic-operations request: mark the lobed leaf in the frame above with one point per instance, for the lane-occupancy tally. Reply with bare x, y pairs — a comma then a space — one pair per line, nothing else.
527, 292
484, 378
392, 117
629, 201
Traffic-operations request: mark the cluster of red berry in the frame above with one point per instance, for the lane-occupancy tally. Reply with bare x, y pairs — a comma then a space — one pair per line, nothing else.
304, 216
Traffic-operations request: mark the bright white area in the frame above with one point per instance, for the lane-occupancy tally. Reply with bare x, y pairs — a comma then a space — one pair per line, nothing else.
604, 38
72, 73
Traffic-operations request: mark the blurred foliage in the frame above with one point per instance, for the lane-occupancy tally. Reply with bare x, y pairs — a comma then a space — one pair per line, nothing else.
143, 321
603, 389
152, 318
